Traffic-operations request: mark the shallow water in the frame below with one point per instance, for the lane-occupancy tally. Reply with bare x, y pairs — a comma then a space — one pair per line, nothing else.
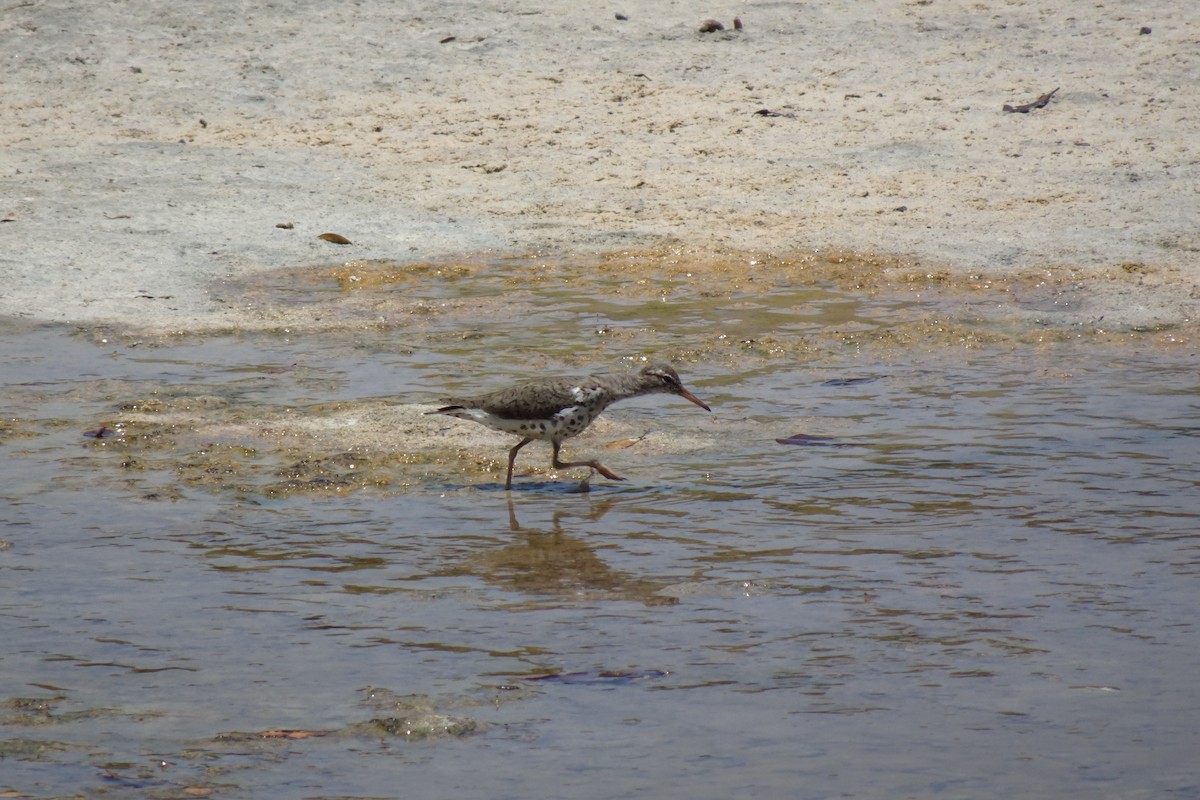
972, 572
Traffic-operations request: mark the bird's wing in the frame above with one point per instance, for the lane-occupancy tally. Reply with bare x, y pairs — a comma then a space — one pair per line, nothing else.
538, 400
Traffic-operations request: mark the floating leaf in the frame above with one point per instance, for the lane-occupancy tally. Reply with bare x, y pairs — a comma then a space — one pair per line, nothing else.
810, 440
613, 677
848, 381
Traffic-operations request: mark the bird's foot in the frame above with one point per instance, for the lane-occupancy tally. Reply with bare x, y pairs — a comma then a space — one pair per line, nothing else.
593, 465
608, 473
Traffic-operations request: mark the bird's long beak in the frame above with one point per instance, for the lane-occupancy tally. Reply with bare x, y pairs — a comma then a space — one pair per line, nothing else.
686, 395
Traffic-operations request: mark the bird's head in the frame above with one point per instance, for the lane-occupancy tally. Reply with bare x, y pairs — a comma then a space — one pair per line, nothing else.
663, 378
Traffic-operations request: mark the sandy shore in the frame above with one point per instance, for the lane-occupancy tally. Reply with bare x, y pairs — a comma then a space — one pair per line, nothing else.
151, 150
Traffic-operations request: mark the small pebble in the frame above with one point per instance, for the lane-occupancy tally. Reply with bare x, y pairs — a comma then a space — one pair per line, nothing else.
711, 26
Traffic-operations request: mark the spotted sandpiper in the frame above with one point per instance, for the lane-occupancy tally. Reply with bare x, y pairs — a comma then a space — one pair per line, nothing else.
553, 409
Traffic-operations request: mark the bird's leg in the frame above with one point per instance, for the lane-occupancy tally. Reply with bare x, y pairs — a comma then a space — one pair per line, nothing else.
512, 457
596, 465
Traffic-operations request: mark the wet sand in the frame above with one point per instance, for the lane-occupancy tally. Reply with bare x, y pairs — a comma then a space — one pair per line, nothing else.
150, 153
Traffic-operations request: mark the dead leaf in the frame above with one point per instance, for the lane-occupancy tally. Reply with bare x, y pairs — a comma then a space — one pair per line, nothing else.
621, 444
850, 381
292, 734
1025, 108
810, 440
336, 238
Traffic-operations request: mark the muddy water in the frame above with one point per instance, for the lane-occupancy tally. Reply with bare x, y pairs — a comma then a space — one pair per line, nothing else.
241, 563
